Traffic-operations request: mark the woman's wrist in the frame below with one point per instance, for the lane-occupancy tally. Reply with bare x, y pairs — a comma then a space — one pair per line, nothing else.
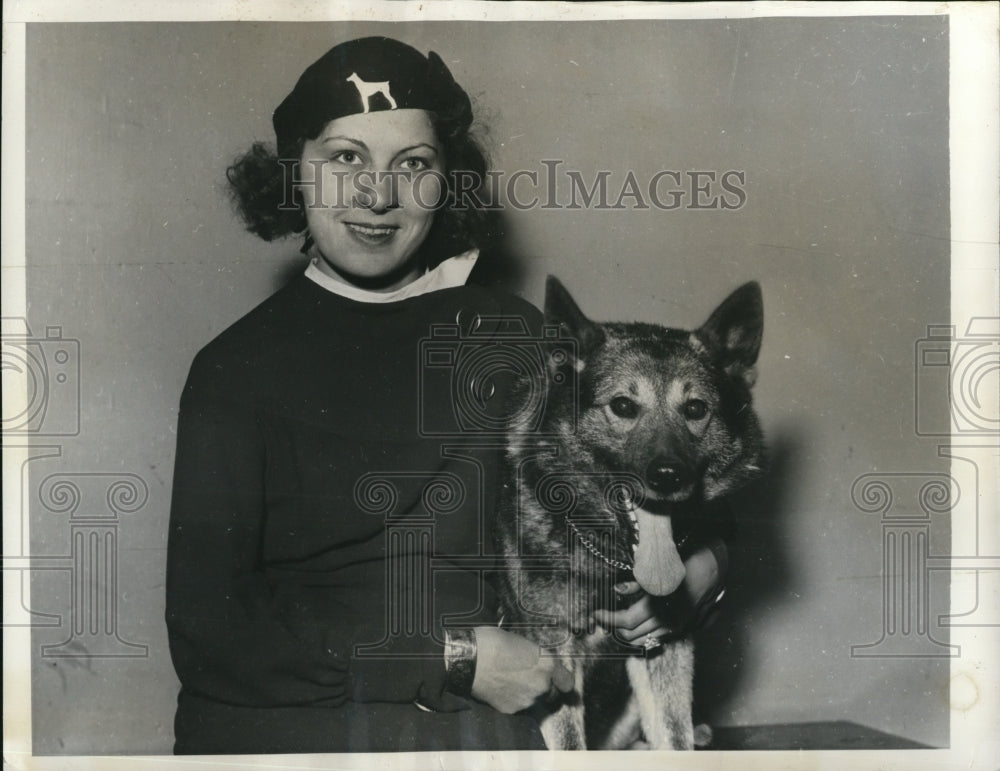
460, 654
707, 605
721, 554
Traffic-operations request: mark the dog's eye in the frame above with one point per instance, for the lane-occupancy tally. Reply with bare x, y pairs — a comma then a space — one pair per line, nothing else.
624, 407
695, 409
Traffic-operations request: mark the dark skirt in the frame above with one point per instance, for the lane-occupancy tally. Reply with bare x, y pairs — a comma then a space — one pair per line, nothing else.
205, 727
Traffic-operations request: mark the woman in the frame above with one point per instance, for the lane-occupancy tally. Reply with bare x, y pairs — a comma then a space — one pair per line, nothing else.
318, 598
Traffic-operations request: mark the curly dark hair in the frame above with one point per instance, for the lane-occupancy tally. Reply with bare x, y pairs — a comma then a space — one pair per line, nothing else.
261, 188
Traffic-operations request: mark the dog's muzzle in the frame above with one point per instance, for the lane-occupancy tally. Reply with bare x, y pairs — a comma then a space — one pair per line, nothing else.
668, 475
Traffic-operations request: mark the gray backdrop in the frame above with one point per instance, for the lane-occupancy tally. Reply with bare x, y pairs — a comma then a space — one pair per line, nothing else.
841, 128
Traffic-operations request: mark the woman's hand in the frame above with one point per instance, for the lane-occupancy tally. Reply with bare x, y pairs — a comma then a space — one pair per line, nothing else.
660, 617
511, 673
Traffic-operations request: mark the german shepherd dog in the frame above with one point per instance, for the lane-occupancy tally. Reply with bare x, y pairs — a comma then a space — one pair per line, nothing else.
643, 426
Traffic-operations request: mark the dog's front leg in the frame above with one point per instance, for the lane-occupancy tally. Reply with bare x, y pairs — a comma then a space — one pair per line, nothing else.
662, 688
562, 723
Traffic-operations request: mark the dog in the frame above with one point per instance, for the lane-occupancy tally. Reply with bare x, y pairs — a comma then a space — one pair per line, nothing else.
643, 427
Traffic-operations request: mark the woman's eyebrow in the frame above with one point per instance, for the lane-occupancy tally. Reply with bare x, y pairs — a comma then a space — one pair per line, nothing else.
363, 146
353, 141
430, 147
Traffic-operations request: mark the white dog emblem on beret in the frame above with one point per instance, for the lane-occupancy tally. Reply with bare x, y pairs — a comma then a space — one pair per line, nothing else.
367, 90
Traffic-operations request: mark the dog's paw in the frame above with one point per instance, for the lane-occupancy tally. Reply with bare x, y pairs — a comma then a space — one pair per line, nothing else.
702, 735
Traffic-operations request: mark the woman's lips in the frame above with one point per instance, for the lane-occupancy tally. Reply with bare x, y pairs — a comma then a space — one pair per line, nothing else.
371, 234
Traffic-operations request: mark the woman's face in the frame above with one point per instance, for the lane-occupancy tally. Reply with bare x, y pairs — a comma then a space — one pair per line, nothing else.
368, 202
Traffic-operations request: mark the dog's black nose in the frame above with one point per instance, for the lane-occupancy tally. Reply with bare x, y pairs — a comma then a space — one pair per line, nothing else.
665, 475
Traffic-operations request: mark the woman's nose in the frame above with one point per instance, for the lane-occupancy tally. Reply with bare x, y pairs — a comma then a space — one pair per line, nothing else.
380, 193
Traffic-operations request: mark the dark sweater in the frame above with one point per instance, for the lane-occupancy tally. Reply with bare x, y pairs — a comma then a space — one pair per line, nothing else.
318, 505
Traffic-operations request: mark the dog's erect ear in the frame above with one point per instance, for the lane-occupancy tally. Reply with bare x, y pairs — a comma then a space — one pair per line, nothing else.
734, 331
561, 309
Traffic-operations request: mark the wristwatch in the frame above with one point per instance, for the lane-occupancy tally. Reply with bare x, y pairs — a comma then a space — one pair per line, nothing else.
460, 660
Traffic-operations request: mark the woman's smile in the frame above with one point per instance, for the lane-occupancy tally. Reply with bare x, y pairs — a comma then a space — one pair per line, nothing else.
371, 235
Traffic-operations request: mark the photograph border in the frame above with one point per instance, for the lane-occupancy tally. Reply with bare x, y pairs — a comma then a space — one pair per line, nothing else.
974, 85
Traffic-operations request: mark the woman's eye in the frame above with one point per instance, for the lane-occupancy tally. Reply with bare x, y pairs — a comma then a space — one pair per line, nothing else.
415, 164
347, 156
695, 409
624, 407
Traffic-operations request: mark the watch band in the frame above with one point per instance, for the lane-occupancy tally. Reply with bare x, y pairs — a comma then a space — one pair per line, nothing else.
460, 660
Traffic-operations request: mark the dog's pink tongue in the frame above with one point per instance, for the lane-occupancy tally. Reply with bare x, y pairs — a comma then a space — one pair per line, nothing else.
658, 567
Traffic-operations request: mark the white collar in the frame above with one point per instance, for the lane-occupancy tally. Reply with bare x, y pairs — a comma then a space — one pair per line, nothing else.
450, 273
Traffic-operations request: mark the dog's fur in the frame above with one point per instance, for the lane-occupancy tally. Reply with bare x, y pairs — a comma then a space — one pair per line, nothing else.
642, 426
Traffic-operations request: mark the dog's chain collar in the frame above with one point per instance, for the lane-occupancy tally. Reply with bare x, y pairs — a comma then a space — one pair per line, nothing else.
588, 544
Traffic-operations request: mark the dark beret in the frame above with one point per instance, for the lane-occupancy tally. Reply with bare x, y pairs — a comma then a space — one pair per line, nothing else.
367, 75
